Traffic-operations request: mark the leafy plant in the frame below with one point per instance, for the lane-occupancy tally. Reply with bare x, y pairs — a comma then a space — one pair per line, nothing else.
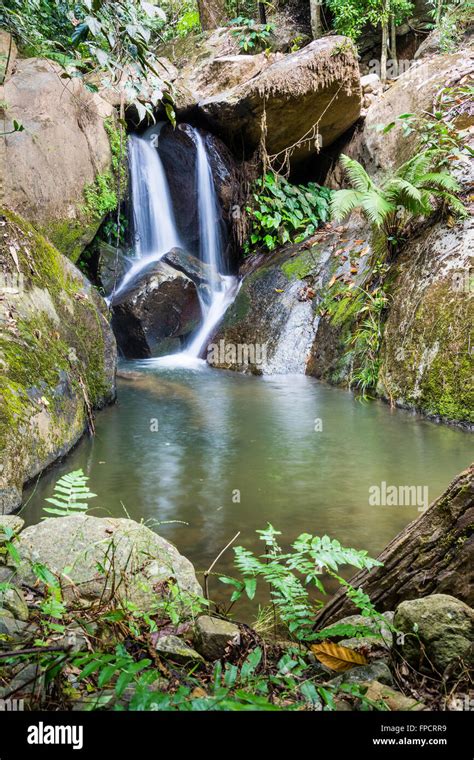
90, 36
412, 191
289, 575
249, 34
71, 495
281, 212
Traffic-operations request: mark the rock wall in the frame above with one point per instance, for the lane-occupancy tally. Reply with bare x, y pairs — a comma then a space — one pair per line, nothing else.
57, 355
62, 150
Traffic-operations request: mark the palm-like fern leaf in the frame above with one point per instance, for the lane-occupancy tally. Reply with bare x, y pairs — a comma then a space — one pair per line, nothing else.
376, 207
441, 180
70, 494
343, 202
356, 173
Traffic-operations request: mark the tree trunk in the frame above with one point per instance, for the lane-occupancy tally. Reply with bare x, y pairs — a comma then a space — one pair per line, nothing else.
393, 45
315, 11
432, 555
383, 54
211, 13
262, 13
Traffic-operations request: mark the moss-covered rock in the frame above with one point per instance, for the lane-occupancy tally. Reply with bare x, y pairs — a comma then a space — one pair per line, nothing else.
57, 355
427, 353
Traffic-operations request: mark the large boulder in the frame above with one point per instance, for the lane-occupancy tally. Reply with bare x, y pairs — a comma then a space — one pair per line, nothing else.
412, 92
276, 316
438, 630
426, 361
57, 355
63, 148
99, 557
154, 315
282, 97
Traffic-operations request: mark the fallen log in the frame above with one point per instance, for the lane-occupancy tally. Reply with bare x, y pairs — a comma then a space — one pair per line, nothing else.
434, 554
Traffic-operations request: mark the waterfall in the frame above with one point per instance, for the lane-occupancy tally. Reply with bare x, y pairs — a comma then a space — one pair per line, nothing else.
222, 289
155, 231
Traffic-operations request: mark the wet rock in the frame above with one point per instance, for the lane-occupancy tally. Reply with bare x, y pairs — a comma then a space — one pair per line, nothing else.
10, 627
426, 364
377, 670
63, 147
177, 650
276, 314
213, 636
177, 151
144, 563
439, 629
58, 351
112, 265
293, 90
14, 601
156, 313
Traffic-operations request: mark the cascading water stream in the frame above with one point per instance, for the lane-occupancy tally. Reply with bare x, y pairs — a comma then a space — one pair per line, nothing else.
156, 233
222, 289
155, 227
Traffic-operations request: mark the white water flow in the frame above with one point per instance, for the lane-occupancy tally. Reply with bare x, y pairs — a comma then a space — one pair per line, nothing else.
222, 289
153, 217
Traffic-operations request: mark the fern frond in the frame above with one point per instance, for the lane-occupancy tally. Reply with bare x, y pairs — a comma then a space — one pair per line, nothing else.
376, 207
70, 496
356, 174
343, 202
441, 180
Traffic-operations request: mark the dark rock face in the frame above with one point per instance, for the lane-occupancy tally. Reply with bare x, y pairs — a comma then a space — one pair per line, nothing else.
156, 313
178, 153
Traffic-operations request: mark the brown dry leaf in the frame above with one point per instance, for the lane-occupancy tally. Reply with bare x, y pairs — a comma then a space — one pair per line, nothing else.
336, 657
332, 281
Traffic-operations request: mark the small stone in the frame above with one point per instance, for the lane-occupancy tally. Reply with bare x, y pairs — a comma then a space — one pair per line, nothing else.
438, 630
371, 83
213, 636
28, 681
177, 650
14, 601
375, 671
394, 700
9, 626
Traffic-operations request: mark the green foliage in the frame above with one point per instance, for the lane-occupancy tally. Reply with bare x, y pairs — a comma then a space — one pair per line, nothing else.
100, 196
351, 16
71, 495
290, 575
250, 35
282, 213
451, 19
90, 36
414, 190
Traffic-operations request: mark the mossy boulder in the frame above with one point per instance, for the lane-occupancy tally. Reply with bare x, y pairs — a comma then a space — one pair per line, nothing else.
59, 170
426, 354
57, 355
438, 630
103, 557
278, 310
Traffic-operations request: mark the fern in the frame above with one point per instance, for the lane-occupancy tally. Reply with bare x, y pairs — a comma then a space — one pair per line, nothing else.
71, 494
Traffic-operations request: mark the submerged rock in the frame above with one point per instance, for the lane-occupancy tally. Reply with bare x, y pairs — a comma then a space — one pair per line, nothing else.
438, 630
62, 149
57, 356
104, 556
154, 315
